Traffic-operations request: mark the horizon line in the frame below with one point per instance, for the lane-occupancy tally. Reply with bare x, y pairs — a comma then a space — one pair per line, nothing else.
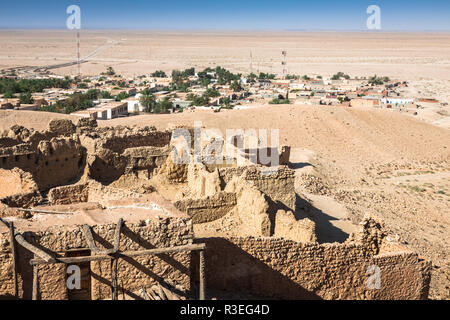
3, 28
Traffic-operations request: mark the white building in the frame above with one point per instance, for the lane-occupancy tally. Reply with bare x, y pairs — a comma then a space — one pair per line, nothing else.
133, 104
397, 101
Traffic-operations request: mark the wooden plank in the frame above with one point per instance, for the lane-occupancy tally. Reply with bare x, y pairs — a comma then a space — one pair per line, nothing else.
38, 252
72, 260
43, 211
14, 258
114, 290
130, 254
4, 222
90, 239
117, 235
191, 247
202, 275
35, 283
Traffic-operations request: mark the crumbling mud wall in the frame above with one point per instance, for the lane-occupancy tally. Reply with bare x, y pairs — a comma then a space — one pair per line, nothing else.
278, 183
113, 152
209, 208
284, 269
245, 214
64, 152
69, 194
172, 270
52, 157
18, 188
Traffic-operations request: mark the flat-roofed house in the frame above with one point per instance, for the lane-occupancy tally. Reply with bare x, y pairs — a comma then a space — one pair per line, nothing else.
105, 111
365, 102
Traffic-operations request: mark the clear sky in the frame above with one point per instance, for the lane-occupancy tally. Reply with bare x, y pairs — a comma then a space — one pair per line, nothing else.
402, 15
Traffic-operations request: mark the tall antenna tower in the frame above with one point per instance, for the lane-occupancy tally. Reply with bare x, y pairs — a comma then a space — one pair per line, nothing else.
284, 63
78, 54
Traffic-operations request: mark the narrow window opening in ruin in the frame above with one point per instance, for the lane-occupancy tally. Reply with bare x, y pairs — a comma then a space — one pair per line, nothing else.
80, 163
3, 160
84, 291
51, 151
46, 163
28, 156
17, 158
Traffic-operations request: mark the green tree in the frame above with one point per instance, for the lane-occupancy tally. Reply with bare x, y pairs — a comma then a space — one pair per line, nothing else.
26, 98
147, 100
226, 101
9, 95
110, 71
163, 105
106, 95
212, 93
159, 74
121, 96
235, 86
279, 101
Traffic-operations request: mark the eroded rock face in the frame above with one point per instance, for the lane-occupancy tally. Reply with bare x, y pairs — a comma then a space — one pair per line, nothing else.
87, 123
62, 127
289, 228
18, 189
209, 208
252, 207
16, 182
370, 234
202, 183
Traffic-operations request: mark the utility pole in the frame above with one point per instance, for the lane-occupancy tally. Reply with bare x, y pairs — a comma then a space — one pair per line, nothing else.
284, 63
78, 54
251, 62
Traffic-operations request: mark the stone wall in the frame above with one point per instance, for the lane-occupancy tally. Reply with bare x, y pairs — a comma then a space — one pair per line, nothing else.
278, 185
133, 273
69, 194
209, 208
284, 269
51, 162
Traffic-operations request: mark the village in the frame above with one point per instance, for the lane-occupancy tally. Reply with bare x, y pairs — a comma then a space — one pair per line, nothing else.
110, 95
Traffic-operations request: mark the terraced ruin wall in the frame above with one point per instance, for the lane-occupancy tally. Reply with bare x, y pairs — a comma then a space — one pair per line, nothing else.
283, 269
133, 273
52, 162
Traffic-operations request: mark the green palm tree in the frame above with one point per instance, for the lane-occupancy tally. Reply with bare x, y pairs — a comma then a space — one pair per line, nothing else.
147, 100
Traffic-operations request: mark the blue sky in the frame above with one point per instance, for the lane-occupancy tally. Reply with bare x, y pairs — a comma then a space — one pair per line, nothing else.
402, 15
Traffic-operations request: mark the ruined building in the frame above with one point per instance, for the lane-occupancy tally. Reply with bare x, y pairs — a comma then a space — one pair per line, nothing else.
114, 203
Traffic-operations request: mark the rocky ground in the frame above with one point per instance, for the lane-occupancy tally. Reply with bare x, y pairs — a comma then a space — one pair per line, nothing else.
350, 163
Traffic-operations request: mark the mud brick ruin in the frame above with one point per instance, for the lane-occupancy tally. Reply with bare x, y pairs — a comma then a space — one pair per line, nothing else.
113, 202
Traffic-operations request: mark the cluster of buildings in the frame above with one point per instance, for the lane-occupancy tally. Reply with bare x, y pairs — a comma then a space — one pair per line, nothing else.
347, 92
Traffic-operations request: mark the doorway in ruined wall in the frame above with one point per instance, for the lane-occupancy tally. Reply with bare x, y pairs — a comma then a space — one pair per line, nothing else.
84, 292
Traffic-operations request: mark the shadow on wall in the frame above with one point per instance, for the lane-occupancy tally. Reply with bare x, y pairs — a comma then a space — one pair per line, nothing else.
231, 269
143, 275
299, 165
326, 232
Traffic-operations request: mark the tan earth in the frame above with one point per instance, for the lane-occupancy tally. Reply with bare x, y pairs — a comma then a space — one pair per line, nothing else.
349, 162
413, 56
